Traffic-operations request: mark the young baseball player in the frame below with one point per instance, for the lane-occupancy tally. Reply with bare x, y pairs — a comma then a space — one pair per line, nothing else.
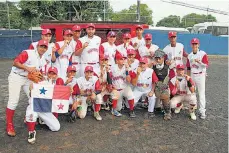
148, 49
89, 49
183, 89
162, 87
120, 78
197, 64
64, 51
48, 118
125, 45
87, 90
144, 83
27, 61
46, 35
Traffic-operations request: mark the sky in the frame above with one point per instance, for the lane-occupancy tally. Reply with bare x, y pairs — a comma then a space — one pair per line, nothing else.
162, 9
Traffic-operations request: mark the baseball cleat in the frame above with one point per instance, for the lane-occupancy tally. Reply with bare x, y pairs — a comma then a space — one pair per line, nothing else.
167, 116
115, 113
177, 109
193, 116
132, 114
203, 116
32, 137
97, 116
151, 115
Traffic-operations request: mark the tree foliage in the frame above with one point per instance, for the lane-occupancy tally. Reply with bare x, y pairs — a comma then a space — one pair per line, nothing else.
170, 21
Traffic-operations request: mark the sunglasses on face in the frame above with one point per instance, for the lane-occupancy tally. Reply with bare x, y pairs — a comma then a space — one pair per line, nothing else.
43, 46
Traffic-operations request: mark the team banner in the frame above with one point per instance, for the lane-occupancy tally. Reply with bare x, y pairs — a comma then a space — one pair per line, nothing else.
50, 98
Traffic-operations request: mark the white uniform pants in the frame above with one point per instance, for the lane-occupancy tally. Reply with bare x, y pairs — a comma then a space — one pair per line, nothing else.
96, 68
49, 119
151, 100
127, 93
199, 80
15, 83
190, 98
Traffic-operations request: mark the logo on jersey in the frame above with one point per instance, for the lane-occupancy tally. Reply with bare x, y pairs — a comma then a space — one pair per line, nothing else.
92, 50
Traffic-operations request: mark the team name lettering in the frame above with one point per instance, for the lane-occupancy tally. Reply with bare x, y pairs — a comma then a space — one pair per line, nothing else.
92, 50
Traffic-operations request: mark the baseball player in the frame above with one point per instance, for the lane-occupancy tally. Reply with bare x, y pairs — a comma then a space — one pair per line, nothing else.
87, 90
162, 86
131, 60
46, 35
148, 49
88, 47
174, 53
26, 61
109, 47
197, 64
183, 90
125, 45
145, 83
64, 52
75, 59
120, 78
48, 118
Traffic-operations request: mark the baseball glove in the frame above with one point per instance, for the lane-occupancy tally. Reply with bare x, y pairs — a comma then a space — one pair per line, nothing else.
35, 76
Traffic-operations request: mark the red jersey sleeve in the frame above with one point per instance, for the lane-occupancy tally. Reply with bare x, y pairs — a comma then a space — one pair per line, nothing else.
57, 46
97, 87
185, 54
191, 81
173, 89
78, 45
205, 60
76, 90
137, 56
31, 46
154, 77
101, 50
22, 57
188, 64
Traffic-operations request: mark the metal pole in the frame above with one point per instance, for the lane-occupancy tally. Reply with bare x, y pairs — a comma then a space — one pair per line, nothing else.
138, 10
8, 14
104, 10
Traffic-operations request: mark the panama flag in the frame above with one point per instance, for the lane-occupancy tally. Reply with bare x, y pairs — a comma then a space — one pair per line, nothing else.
50, 98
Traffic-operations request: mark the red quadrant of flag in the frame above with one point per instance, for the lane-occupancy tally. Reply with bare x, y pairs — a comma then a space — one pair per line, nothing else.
61, 92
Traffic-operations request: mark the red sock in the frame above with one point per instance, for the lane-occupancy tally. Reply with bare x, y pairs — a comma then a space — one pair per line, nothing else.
131, 104
114, 103
105, 98
55, 114
97, 107
31, 126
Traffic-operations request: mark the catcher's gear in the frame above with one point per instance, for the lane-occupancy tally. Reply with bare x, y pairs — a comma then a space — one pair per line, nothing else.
35, 76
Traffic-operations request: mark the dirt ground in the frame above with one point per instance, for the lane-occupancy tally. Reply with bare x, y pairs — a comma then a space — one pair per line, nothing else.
180, 135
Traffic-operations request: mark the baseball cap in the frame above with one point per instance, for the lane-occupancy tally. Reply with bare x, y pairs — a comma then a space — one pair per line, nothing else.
111, 33
46, 31
71, 68
53, 69
139, 26
148, 36
42, 43
90, 25
76, 28
172, 34
180, 66
126, 35
104, 56
88, 68
118, 55
68, 32
143, 60
159, 53
130, 52
195, 41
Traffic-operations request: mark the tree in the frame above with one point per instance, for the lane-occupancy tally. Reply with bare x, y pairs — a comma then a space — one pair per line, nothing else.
131, 15
190, 20
170, 21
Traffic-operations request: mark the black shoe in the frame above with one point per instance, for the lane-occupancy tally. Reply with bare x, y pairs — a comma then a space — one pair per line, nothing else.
72, 116
151, 115
132, 114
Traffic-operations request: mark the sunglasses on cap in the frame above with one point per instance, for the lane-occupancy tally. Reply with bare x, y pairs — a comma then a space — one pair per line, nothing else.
43, 46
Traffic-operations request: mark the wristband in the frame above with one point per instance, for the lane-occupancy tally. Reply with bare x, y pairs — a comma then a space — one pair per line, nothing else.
127, 73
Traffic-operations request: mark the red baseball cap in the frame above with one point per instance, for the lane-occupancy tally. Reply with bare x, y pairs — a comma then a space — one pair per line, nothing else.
126, 35
53, 69
68, 32
88, 68
195, 41
76, 28
46, 31
131, 52
111, 34
139, 26
148, 36
172, 34
118, 55
71, 68
43, 43
143, 60
90, 25
104, 56
180, 66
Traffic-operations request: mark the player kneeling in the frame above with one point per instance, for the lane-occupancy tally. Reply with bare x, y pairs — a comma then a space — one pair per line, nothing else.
48, 118
88, 91
183, 91
145, 83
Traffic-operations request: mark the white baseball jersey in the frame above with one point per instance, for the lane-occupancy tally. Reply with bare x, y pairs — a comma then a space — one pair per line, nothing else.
75, 59
145, 51
183, 86
62, 61
134, 66
118, 76
140, 42
197, 67
175, 53
91, 53
123, 50
110, 51
88, 85
33, 60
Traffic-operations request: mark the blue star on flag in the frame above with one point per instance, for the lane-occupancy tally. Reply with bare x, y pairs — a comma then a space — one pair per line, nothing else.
42, 91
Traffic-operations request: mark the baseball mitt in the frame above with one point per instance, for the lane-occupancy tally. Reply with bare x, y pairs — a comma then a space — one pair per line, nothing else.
35, 76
